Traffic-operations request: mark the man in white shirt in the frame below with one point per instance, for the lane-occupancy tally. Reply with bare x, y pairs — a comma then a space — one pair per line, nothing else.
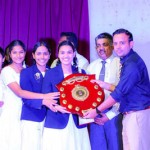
82, 61
107, 135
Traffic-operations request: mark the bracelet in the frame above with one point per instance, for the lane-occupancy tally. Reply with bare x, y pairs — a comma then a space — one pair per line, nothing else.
98, 111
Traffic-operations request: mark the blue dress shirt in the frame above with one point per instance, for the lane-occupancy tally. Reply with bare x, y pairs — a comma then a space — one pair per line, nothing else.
133, 90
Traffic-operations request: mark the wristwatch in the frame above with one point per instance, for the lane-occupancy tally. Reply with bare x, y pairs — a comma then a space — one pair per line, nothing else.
98, 111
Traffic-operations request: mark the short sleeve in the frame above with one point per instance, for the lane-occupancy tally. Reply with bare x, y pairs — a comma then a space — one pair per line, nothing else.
7, 75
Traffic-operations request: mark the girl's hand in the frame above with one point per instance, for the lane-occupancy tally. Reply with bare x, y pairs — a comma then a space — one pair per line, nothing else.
61, 109
50, 103
53, 95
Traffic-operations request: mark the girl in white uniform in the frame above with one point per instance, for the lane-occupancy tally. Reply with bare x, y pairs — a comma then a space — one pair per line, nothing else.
10, 124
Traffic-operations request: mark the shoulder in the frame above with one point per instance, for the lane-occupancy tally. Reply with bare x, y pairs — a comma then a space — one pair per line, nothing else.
7, 70
94, 65
54, 70
81, 58
95, 62
131, 66
53, 76
54, 63
27, 70
134, 60
116, 60
9, 75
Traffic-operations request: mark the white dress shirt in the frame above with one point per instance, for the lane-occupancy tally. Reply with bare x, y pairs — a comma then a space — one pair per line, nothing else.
112, 74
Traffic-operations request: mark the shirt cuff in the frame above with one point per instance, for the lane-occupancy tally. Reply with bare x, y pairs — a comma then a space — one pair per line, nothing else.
110, 114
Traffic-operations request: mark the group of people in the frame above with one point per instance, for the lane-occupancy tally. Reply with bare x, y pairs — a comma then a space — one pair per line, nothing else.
32, 117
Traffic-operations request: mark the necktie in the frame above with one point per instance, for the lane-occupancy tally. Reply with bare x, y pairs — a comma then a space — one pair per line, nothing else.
102, 72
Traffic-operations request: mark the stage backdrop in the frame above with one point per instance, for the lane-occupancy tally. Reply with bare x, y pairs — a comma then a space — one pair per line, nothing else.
34, 20
109, 15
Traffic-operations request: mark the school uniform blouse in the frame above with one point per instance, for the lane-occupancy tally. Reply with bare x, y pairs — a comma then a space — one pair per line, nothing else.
31, 80
57, 120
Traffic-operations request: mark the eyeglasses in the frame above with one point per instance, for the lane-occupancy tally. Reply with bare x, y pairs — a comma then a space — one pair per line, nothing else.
102, 45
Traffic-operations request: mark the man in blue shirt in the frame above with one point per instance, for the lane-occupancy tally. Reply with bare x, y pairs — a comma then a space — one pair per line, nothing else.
133, 93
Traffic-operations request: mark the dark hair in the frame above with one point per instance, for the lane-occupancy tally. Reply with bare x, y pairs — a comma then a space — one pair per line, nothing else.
69, 43
2, 52
41, 43
12, 45
38, 44
3, 55
129, 34
104, 35
71, 37
16, 43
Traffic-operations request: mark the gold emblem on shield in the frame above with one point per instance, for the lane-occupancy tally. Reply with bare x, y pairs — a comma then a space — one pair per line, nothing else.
80, 93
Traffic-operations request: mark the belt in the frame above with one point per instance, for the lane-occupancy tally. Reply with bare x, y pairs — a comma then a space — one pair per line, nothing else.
129, 112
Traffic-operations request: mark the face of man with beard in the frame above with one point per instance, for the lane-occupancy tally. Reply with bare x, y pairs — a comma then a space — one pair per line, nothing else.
122, 44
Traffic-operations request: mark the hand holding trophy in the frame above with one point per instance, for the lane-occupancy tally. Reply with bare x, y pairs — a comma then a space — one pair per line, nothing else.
78, 94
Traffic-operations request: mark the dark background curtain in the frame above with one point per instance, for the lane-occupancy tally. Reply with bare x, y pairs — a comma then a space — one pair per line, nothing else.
34, 20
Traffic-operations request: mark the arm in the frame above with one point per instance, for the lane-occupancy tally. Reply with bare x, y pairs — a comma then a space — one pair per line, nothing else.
15, 87
8, 78
105, 85
108, 115
49, 85
114, 111
105, 105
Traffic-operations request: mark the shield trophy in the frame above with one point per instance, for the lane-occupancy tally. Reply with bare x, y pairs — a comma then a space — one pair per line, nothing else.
78, 94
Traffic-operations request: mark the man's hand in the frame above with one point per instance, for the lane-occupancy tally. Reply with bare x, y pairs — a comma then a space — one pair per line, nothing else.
104, 85
101, 120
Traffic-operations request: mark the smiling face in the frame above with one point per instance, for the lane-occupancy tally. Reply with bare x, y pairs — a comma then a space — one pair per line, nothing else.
41, 56
104, 48
122, 45
17, 54
66, 55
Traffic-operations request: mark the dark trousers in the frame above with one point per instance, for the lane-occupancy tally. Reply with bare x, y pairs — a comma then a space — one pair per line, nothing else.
107, 136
